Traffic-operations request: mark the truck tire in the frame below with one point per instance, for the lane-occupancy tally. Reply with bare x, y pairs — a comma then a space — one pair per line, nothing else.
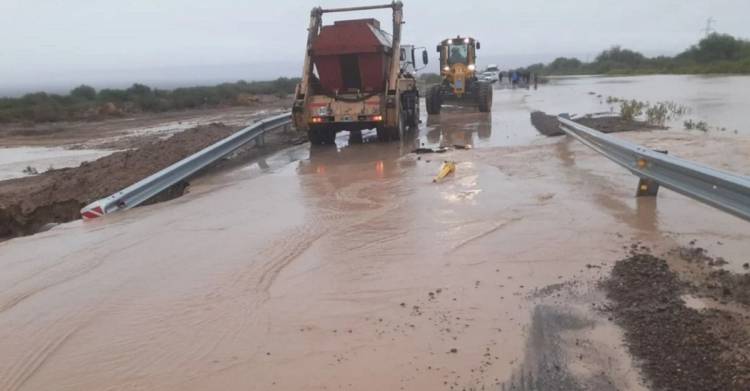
433, 100
384, 134
329, 137
410, 108
484, 97
321, 136
413, 122
387, 133
313, 136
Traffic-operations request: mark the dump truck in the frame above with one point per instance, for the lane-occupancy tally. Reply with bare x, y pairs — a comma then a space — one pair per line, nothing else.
352, 78
460, 84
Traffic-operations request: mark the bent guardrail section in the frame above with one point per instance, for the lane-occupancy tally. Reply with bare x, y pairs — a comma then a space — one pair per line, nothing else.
154, 184
720, 189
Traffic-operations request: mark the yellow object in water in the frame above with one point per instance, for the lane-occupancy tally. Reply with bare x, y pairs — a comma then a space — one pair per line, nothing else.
446, 169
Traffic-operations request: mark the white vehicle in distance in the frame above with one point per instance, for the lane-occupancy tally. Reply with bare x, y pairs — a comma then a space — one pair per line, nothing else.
491, 74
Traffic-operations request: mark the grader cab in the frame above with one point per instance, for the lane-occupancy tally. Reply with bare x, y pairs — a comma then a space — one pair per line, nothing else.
459, 84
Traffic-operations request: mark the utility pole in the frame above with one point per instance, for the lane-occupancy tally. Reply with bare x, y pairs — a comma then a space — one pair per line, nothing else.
709, 29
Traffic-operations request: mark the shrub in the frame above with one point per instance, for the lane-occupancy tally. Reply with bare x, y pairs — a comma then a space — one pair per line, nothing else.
83, 92
84, 100
630, 110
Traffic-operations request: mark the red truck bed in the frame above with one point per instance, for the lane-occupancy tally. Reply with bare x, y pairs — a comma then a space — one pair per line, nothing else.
352, 54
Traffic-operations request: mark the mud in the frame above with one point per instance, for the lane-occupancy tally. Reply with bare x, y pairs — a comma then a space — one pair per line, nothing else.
550, 127
56, 196
680, 348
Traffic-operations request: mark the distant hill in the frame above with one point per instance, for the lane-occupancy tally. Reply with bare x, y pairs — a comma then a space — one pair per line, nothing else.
168, 77
717, 53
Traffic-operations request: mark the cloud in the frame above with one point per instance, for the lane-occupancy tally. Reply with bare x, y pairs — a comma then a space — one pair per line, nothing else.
75, 41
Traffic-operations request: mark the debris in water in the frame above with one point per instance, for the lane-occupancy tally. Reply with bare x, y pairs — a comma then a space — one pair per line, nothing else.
422, 150
446, 169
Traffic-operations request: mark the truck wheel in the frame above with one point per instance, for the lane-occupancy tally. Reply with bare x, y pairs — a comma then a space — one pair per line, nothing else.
321, 136
384, 134
485, 97
434, 100
314, 136
412, 120
329, 137
387, 133
410, 108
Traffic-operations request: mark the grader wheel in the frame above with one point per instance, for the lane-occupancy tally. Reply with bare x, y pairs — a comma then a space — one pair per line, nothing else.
434, 100
485, 97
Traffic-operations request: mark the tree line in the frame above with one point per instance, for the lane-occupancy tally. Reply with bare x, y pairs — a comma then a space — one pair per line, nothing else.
716, 53
85, 102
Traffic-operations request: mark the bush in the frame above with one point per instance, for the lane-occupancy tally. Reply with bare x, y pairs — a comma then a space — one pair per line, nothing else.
630, 110
41, 107
717, 53
657, 114
83, 92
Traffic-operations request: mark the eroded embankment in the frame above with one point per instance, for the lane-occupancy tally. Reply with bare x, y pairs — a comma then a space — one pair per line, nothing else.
681, 347
56, 196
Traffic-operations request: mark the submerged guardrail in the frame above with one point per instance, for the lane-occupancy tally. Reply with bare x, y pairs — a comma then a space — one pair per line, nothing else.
720, 189
154, 184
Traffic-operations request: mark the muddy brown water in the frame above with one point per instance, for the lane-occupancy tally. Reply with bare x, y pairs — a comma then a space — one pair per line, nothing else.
347, 268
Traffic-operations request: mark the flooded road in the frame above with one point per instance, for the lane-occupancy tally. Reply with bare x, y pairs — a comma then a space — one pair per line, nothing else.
720, 101
18, 162
347, 268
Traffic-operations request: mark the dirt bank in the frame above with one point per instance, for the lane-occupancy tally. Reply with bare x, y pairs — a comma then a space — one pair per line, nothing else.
550, 127
56, 196
680, 347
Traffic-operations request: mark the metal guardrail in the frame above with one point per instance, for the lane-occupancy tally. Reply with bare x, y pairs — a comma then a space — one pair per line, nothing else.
154, 184
723, 190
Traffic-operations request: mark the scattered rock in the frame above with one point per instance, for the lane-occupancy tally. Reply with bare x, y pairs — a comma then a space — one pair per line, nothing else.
679, 348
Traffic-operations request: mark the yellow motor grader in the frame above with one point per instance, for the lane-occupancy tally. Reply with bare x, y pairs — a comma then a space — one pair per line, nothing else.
459, 79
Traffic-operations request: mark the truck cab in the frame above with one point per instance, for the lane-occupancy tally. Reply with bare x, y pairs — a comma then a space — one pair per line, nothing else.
409, 59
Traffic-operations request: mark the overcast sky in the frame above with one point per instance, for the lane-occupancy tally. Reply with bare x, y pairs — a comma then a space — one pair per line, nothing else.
57, 44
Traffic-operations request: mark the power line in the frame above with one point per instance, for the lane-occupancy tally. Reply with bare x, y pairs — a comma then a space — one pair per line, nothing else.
709, 29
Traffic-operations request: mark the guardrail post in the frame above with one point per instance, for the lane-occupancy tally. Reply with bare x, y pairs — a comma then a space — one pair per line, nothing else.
647, 187
261, 139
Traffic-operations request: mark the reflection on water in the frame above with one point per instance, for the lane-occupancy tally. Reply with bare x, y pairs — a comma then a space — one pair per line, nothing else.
458, 128
605, 192
374, 159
